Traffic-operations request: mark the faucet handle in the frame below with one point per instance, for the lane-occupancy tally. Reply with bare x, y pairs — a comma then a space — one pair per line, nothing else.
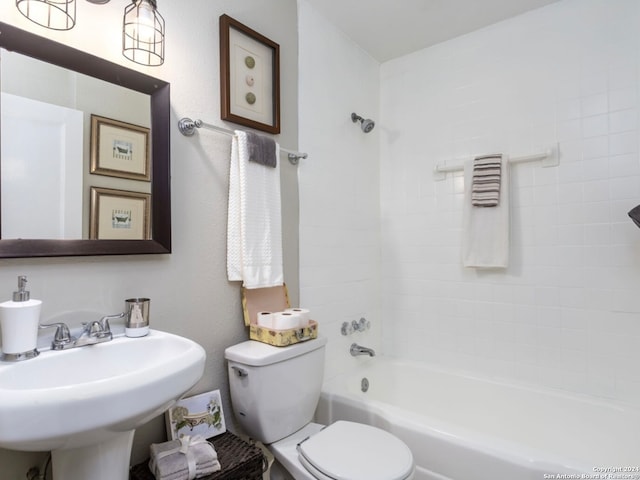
347, 328
104, 321
362, 325
62, 337
94, 328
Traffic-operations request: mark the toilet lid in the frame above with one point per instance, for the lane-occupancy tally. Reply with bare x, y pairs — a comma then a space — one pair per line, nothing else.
353, 451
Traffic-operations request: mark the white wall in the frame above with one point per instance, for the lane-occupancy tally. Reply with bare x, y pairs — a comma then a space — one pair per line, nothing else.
339, 187
565, 313
189, 292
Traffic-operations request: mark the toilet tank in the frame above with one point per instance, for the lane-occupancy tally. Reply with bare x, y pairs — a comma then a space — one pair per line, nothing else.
275, 390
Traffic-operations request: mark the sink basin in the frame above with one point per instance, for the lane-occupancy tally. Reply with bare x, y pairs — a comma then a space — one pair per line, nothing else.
86, 401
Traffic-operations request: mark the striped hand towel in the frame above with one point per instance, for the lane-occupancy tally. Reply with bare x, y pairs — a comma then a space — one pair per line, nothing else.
485, 188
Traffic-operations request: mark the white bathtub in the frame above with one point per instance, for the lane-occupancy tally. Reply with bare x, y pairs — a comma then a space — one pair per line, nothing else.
464, 428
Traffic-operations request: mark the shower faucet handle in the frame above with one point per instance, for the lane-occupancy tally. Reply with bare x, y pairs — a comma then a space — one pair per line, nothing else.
355, 326
361, 325
347, 328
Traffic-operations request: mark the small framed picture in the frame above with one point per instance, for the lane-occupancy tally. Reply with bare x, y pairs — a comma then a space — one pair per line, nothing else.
119, 215
119, 149
249, 77
198, 415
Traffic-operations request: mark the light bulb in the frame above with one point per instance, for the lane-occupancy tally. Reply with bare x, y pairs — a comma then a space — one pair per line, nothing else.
144, 29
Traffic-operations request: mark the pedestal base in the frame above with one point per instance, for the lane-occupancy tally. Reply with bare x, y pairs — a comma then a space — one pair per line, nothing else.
108, 460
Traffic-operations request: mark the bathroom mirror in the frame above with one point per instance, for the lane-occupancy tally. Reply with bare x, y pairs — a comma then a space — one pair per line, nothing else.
104, 80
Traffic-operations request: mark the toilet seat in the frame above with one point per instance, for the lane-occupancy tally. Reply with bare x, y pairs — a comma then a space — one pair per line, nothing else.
354, 451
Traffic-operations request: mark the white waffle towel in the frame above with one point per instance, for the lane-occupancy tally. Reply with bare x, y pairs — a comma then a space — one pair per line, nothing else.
254, 223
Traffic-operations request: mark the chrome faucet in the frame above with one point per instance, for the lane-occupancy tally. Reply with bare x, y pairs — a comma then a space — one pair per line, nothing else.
92, 333
62, 338
97, 331
356, 350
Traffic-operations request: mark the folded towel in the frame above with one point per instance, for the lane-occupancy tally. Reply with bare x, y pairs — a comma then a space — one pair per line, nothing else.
184, 459
262, 149
485, 242
254, 223
485, 184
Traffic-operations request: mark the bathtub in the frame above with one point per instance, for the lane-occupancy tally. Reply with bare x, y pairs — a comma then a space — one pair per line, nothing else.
464, 428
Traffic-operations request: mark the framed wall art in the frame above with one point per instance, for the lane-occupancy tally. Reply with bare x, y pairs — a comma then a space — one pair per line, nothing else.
198, 415
119, 215
249, 77
119, 149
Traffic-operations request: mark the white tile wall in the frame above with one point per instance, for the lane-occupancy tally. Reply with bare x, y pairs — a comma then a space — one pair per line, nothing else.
339, 187
566, 313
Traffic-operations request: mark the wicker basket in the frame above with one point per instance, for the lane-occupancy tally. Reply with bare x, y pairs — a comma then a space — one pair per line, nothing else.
239, 461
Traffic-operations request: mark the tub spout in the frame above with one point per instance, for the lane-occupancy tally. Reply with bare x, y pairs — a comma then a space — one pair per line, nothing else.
356, 350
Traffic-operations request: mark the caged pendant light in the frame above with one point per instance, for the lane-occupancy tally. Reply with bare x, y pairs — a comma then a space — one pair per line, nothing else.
53, 14
143, 33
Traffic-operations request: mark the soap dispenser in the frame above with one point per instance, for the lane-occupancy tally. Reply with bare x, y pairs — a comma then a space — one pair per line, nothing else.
19, 320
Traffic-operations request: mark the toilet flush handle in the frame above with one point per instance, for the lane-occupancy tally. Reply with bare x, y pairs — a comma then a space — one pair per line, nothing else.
240, 371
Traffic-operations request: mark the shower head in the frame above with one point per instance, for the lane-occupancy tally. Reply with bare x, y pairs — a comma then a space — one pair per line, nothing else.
366, 124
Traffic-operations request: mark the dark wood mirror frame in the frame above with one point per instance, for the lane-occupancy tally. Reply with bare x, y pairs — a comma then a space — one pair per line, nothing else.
20, 41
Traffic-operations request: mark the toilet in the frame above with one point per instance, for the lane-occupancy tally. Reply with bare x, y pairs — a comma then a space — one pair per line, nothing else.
274, 394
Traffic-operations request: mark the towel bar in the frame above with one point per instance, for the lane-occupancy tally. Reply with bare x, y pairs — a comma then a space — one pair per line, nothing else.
188, 127
550, 158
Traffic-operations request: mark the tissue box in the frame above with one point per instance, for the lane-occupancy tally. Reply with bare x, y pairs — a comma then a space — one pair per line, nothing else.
272, 299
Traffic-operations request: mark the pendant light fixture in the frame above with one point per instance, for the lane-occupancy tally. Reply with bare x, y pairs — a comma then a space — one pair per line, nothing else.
53, 14
142, 25
143, 33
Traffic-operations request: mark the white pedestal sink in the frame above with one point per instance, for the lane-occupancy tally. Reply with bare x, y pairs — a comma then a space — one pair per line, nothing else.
84, 403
